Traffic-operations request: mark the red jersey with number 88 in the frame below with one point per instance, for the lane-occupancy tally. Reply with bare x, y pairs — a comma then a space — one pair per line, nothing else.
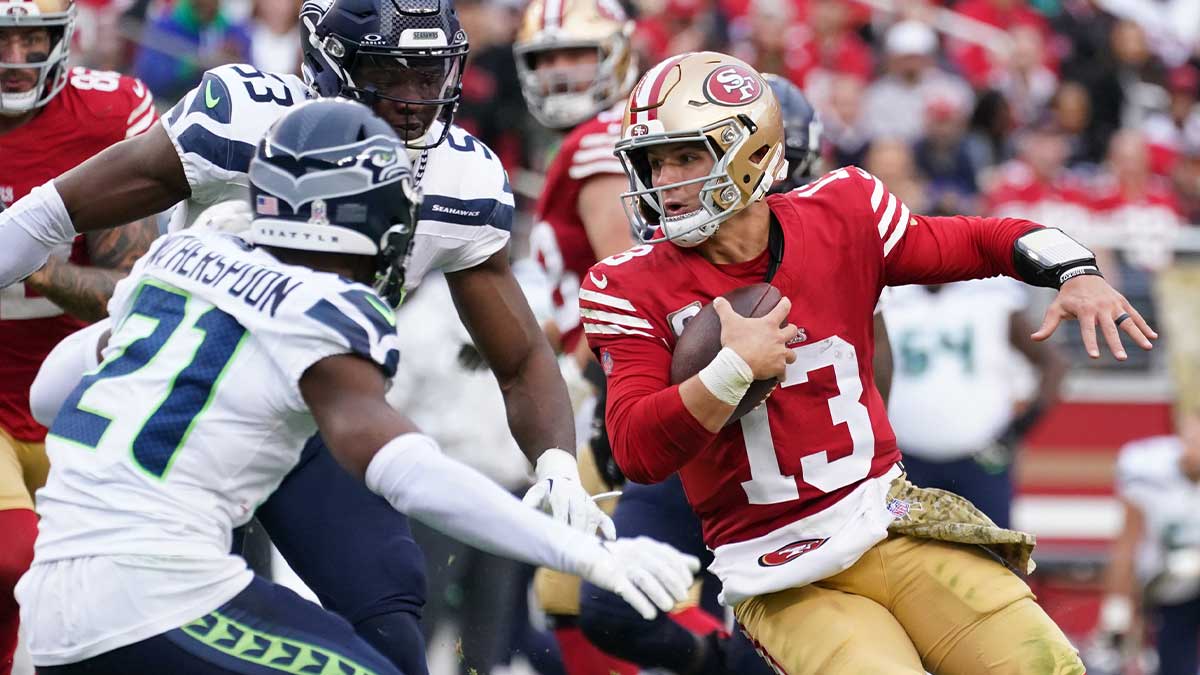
825, 430
95, 110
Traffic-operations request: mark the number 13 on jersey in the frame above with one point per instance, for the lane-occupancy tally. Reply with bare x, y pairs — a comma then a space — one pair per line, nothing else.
767, 484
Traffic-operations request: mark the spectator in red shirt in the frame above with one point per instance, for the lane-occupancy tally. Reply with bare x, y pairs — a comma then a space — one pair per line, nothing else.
978, 64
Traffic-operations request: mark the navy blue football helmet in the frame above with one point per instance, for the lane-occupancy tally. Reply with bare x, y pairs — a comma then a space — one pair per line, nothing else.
801, 133
331, 176
402, 58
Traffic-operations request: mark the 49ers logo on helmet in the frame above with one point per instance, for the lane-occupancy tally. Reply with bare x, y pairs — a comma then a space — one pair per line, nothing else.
788, 553
732, 85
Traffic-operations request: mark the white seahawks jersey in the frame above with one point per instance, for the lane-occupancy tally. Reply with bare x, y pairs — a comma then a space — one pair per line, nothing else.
1149, 476
191, 421
952, 386
467, 212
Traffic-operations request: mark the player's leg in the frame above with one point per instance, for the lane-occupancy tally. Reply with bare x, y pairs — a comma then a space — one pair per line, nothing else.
264, 630
558, 595
23, 468
1176, 638
354, 551
689, 640
965, 612
814, 630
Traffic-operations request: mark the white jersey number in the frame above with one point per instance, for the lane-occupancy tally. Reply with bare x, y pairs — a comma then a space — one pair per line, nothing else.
768, 485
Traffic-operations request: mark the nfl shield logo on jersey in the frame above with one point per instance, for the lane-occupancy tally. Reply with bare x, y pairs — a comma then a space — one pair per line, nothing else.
319, 215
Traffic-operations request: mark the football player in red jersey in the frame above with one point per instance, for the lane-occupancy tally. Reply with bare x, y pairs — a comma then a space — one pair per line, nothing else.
576, 66
831, 560
51, 118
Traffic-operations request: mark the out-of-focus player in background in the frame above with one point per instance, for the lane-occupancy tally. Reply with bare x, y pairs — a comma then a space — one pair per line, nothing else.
955, 405
814, 530
404, 60
52, 117
576, 65
1153, 576
226, 353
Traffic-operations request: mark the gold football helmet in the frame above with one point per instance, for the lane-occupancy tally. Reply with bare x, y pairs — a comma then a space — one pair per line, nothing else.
562, 98
710, 98
58, 17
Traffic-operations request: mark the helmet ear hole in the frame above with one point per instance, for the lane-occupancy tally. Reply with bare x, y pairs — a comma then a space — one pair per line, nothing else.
759, 155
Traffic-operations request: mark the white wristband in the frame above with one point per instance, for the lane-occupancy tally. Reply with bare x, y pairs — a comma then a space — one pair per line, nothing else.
727, 377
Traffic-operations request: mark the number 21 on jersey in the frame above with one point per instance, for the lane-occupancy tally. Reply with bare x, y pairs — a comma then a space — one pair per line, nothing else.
767, 484
188, 347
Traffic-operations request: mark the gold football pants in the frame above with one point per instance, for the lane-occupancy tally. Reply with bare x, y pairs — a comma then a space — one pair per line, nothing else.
907, 606
23, 470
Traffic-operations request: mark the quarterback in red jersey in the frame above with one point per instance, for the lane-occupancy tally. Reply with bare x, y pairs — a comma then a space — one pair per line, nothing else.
51, 118
831, 560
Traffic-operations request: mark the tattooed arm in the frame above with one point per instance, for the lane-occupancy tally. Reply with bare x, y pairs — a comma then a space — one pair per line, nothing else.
83, 292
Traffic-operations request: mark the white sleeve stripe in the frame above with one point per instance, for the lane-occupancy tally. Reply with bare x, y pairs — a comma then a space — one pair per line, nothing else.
144, 124
605, 299
592, 155
876, 195
583, 171
605, 329
885, 221
619, 319
598, 140
901, 226
147, 101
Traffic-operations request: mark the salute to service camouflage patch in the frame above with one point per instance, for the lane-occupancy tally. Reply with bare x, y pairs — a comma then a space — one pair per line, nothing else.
930, 513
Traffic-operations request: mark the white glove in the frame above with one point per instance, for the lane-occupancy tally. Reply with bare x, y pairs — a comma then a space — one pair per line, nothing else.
644, 572
559, 492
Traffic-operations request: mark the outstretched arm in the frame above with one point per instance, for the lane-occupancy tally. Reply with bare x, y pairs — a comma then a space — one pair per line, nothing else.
131, 180
376, 443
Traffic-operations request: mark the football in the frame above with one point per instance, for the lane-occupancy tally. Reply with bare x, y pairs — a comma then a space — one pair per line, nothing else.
701, 340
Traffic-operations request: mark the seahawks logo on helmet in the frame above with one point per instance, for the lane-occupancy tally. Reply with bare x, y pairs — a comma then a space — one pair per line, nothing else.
330, 176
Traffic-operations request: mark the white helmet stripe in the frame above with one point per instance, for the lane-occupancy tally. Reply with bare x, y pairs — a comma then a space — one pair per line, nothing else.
552, 14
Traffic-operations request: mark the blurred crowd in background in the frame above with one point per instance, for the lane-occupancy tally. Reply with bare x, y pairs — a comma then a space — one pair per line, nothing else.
1077, 113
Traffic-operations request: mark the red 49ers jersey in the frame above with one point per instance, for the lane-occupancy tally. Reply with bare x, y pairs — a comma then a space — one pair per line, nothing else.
558, 239
94, 110
825, 430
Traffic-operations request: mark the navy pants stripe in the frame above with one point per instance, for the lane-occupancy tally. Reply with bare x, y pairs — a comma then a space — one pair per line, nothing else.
265, 630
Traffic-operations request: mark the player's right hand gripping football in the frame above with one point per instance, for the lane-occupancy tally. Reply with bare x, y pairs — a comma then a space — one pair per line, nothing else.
647, 574
760, 342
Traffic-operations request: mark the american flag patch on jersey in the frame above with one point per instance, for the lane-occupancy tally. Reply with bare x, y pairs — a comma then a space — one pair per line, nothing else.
266, 206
